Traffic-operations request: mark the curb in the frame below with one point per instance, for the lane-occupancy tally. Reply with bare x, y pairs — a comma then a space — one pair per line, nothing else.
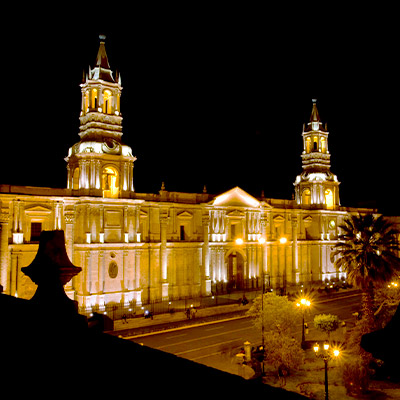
179, 328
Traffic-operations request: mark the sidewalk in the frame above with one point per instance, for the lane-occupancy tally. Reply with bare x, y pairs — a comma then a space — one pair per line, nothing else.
160, 322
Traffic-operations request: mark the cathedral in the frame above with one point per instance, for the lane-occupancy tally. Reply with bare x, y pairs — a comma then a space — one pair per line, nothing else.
136, 248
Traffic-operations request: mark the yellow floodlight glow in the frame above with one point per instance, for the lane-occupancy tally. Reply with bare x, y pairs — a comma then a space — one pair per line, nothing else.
239, 241
283, 240
261, 240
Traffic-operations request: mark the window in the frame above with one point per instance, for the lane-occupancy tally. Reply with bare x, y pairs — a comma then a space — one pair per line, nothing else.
94, 98
107, 100
182, 232
308, 145
36, 229
110, 182
75, 179
329, 198
323, 145
306, 195
233, 231
315, 143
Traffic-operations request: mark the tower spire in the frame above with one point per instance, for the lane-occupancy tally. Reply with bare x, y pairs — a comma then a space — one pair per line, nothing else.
317, 186
100, 164
102, 59
102, 69
314, 113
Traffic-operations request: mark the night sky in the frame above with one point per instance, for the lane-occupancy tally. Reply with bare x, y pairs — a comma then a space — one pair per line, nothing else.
210, 99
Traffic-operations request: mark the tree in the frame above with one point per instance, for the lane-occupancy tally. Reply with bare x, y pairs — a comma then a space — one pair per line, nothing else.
367, 252
278, 314
326, 323
281, 318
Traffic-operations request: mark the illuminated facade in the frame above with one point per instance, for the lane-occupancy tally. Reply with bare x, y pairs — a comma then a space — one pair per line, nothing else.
136, 247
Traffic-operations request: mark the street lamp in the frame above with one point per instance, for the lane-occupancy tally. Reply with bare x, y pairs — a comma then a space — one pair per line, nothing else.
326, 353
304, 304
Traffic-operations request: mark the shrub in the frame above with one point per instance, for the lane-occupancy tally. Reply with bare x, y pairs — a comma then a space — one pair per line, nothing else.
356, 377
326, 323
283, 352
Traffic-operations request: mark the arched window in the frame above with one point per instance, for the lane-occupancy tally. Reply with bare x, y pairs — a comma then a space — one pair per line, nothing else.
75, 179
306, 197
110, 182
315, 144
107, 102
94, 98
329, 198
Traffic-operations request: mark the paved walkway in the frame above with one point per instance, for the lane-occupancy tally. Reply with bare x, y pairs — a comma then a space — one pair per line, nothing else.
141, 325
179, 318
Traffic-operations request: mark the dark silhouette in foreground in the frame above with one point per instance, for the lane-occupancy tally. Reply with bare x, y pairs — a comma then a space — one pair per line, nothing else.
48, 348
384, 345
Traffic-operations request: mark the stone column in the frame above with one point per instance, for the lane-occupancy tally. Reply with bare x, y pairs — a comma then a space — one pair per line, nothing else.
163, 256
138, 291
69, 217
14, 273
295, 265
4, 218
206, 281
126, 290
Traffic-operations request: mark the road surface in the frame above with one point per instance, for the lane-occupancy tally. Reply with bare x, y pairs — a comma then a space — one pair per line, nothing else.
217, 343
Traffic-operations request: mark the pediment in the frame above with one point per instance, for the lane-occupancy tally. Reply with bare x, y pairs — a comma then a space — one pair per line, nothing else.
307, 220
236, 197
185, 215
143, 214
236, 214
37, 209
278, 219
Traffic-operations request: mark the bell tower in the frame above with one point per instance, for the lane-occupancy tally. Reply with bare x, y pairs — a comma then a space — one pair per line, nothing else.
316, 186
100, 164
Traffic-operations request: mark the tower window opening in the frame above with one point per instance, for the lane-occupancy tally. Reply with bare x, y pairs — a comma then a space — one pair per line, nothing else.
308, 145
329, 198
306, 195
110, 182
107, 101
75, 179
315, 144
94, 98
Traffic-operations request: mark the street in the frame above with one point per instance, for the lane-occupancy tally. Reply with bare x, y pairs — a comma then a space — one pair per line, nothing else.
215, 344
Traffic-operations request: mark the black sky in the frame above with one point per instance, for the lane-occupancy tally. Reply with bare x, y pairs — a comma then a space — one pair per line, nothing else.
212, 99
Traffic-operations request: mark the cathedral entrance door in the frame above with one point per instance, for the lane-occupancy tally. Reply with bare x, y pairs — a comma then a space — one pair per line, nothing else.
235, 271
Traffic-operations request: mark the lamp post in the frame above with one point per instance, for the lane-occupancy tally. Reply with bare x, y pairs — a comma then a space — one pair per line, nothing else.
326, 353
261, 241
304, 304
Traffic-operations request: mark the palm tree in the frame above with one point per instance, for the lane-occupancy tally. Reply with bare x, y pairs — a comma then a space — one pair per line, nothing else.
367, 252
